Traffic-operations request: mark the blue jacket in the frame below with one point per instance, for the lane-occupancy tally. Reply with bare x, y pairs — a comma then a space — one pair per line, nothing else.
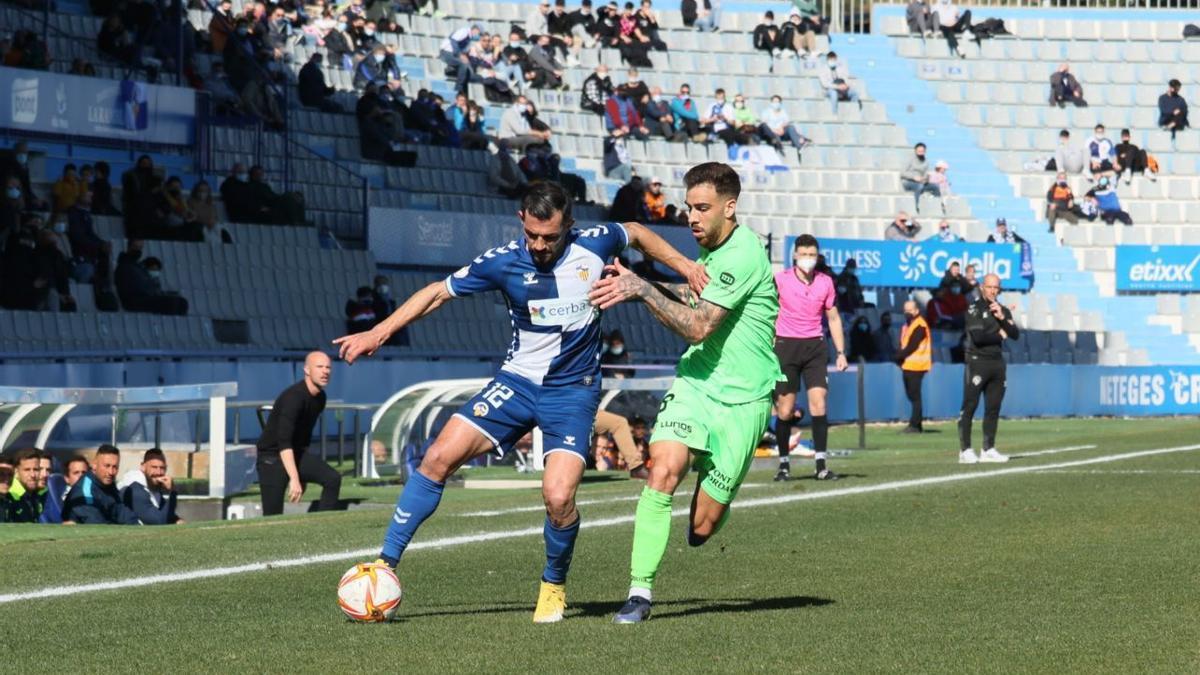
52, 507
684, 110
89, 502
1107, 199
137, 498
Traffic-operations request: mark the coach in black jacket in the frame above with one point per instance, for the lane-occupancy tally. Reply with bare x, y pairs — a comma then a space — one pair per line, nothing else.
988, 324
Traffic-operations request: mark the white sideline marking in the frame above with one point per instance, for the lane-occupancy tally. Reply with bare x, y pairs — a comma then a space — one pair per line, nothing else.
585, 502
1106, 472
1053, 451
446, 542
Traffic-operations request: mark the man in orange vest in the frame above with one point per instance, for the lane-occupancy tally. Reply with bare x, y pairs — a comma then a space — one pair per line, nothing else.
915, 358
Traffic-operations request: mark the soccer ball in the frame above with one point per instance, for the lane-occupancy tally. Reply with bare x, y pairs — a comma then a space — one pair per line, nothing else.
369, 592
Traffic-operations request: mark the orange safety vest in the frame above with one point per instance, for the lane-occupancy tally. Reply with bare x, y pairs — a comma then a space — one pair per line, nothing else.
922, 359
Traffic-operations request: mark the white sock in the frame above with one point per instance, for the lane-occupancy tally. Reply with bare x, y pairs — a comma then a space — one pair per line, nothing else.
635, 592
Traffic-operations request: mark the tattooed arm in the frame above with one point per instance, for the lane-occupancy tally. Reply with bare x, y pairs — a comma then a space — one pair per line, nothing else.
676, 306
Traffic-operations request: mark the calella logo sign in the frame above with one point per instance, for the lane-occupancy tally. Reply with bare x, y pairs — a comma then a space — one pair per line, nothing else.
912, 262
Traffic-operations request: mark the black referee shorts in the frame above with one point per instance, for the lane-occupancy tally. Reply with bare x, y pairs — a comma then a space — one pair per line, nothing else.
801, 357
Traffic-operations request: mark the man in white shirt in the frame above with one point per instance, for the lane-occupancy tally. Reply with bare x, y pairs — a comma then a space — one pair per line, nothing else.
777, 125
952, 23
835, 80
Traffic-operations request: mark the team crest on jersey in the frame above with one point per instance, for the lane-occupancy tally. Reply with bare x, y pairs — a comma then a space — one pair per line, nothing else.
727, 278
583, 272
480, 409
530, 278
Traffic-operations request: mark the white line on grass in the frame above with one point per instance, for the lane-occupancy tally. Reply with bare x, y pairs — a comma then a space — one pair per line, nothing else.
586, 502
1054, 451
446, 542
1138, 472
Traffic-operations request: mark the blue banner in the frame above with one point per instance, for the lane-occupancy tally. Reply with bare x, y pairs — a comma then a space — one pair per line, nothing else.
921, 264
51, 103
1158, 268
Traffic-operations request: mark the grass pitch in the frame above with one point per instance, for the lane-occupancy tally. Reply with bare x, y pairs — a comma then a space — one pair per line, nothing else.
1085, 568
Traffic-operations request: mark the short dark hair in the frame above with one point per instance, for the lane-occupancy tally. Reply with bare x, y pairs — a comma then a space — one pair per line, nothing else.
918, 145
24, 454
544, 198
806, 240
954, 263
1098, 126
721, 176
154, 453
1175, 83
107, 449
1064, 133
769, 14
719, 92
831, 54
77, 458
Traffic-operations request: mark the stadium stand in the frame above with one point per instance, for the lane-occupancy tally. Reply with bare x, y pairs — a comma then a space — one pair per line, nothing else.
276, 287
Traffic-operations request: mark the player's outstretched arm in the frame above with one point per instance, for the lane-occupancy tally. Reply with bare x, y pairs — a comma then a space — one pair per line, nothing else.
648, 242
419, 304
685, 314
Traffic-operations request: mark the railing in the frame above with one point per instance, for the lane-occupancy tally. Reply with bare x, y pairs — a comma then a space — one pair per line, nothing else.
854, 16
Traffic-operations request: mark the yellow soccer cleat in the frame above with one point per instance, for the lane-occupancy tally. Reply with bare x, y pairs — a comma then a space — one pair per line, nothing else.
552, 602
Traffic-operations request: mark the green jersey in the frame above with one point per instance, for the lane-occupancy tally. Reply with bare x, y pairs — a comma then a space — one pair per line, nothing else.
737, 363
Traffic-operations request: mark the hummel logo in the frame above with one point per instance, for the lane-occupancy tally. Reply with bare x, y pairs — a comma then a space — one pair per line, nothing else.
401, 517
569, 440
530, 278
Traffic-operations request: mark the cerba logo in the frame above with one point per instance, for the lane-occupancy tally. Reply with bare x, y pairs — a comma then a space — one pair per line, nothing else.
561, 312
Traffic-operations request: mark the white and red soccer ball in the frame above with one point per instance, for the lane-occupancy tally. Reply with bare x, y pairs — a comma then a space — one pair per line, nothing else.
369, 592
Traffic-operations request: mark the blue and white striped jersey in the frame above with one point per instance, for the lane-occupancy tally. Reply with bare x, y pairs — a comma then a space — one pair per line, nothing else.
556, 331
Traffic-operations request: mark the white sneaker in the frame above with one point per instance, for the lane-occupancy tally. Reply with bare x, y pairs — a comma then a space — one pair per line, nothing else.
967, 457
990, 455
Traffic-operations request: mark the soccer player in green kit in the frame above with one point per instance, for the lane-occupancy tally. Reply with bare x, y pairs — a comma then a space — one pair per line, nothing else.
720, 401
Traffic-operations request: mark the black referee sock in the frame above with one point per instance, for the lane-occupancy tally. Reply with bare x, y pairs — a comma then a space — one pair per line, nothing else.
820, 435
783, 438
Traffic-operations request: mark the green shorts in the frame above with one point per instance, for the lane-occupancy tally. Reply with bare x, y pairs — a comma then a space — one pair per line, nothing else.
722, 436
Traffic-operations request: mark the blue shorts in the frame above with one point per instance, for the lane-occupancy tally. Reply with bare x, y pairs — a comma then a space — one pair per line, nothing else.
510, 407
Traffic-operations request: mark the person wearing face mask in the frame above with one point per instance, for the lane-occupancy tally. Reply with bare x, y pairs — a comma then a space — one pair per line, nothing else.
989, 324
1107, 202
616, 355
719, 121
235, 194
515, 129
902, 229
221, 25
915, 359
862, 342
14, 163
1060, 202
621, 117
139, 284
914, 177
777, 126
360, 311
583, 25
835, 81
1102, 154
1004, 235
377, 68
10, 210
1064, 88
1134, 160
1172, 110
65, 190
656, 200
806, 296
687, 115
658, 118
340, 44
745, 122
945, 235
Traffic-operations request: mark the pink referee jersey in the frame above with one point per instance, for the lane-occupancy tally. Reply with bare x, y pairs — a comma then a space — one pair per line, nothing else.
801, 305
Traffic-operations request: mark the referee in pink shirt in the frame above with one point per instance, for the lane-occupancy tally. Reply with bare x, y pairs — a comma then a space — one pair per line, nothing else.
805, 295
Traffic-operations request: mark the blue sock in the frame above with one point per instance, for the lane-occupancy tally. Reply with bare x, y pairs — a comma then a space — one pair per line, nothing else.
417, 501
560, 546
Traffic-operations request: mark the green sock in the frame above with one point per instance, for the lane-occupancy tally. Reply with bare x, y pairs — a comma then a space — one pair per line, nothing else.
651, 529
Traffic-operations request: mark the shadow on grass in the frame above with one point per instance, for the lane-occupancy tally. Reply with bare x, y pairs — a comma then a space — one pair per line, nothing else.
663, 609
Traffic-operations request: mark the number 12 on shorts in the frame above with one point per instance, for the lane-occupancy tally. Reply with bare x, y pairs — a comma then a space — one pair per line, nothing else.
497, 394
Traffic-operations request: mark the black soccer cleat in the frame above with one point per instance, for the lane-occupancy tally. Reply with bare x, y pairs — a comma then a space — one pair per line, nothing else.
783, 474
826, 474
